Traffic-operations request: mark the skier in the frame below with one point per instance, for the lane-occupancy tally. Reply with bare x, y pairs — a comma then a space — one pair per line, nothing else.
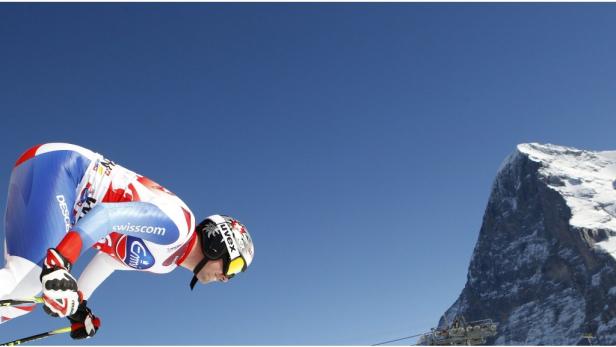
63, 197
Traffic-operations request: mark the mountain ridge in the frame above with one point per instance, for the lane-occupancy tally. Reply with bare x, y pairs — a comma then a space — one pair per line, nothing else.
544, 263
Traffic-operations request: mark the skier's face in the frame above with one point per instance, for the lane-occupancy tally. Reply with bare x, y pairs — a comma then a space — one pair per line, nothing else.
212, 272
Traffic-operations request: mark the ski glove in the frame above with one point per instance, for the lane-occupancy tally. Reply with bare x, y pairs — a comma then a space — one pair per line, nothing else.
60, 295
83, 323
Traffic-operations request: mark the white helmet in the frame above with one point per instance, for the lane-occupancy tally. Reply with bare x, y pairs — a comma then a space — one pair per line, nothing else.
223, 237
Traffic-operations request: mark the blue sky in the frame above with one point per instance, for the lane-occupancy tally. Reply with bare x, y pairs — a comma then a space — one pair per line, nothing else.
359, 144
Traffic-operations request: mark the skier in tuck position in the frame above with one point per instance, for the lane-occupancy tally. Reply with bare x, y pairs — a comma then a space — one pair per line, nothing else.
64, 198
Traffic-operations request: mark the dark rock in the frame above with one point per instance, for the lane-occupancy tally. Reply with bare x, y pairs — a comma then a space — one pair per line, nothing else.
541, 278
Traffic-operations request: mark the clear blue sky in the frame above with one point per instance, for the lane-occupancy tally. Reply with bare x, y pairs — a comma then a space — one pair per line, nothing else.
359, 141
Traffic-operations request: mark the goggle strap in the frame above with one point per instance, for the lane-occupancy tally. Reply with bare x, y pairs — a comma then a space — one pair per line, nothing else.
196, 270
193, 282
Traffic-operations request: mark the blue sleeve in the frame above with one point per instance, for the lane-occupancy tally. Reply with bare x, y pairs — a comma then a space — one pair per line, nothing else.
140, 219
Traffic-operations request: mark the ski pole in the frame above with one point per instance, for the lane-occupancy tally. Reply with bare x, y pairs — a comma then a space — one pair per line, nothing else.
16, 302
38, 337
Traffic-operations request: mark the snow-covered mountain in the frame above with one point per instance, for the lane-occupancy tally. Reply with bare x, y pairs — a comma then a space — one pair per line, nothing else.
544, 266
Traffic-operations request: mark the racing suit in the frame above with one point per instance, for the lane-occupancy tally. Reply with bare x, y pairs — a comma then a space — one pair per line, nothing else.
57, 190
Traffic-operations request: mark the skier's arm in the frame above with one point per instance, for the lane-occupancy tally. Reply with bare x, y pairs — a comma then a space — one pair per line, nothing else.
141, 219
97, 271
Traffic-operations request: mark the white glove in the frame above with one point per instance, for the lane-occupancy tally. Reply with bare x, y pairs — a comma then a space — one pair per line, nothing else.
60, 295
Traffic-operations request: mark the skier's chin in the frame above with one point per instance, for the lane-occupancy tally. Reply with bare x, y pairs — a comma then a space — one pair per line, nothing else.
211, 278
212, 272
208, 280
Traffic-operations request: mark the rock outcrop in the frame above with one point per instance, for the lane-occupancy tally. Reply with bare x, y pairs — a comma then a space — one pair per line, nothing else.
544, 266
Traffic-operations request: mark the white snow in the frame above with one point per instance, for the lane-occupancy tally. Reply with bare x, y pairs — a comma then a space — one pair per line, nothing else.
586, 180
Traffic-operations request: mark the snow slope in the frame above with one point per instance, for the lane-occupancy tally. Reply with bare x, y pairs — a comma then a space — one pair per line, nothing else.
587, 181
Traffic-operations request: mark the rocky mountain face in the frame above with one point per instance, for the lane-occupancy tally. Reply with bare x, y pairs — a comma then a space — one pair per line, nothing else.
544, 266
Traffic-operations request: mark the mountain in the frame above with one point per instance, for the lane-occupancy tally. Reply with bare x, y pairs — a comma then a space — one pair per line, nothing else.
544, 264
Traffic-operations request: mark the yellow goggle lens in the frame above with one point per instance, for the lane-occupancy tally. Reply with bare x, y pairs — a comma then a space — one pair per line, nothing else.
235, 266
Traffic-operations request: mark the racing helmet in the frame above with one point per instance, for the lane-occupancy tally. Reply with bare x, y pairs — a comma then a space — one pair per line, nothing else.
223, 237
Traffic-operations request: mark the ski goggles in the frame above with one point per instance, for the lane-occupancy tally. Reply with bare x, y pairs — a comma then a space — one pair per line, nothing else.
233, 267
